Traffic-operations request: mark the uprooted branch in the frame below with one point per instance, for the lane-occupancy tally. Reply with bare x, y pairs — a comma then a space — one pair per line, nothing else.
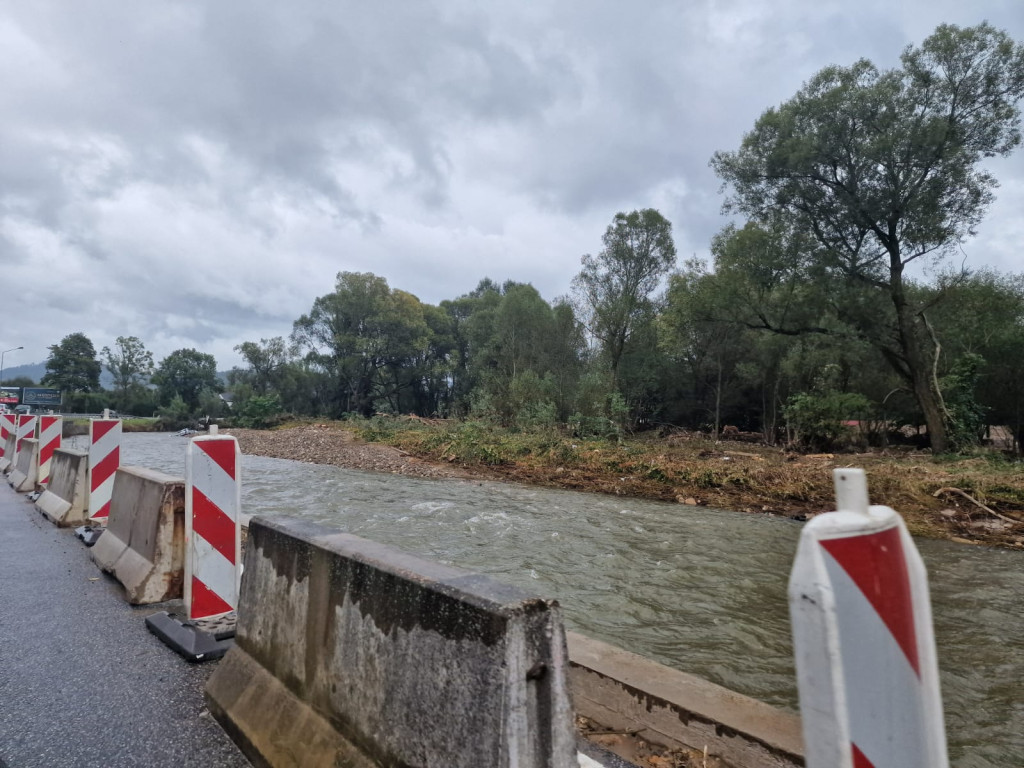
976, 503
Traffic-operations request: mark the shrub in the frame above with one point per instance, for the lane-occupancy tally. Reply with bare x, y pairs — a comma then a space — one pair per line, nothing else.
175, 415
259, 412
817, 419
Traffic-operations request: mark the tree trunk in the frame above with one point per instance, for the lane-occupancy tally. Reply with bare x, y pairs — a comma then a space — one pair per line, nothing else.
919, 364
718, 400
918, 354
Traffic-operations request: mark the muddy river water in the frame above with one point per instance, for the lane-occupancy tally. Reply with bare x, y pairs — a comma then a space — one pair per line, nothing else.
701, 590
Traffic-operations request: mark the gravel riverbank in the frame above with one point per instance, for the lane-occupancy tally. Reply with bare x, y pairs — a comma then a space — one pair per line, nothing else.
324, 444
970, 499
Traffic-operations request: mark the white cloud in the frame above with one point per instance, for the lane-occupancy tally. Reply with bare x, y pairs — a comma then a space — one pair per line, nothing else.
196, 175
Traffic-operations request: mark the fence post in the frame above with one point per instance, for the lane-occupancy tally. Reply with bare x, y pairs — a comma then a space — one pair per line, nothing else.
862, 633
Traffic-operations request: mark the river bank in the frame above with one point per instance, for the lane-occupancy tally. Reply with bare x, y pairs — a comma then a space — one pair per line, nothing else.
978, 499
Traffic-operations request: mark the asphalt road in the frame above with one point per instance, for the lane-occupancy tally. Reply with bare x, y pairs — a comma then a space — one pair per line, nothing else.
82, 681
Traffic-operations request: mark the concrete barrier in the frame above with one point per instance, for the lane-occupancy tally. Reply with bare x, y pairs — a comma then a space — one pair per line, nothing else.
24, 476
351, 653
10, 452
143, 546
626, 692
66, 498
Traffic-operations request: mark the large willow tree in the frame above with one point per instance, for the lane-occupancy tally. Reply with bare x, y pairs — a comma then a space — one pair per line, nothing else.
613, 289
882, 168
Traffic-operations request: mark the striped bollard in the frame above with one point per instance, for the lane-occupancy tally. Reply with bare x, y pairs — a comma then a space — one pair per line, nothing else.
212, 526
50, 430
862, 633
26, 428
8, 424
104, 459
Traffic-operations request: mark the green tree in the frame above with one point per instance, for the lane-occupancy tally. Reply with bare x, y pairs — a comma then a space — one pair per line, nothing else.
511, 354
982, 314
433, 367
882, 168
267, 361
566, 352
131, 365
72, 365
515, 354
366, 338
275, 369
613, 289
186, 373
703, 348
471, 318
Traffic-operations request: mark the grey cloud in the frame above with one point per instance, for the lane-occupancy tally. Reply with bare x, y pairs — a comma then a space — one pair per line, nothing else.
212, 166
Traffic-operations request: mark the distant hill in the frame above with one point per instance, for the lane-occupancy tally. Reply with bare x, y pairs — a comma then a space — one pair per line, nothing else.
36, 371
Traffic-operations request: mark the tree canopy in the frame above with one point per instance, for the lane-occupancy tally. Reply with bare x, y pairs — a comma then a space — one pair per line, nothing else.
368, 337
883, 167
186, 373
130, 364
613, 289
72, 365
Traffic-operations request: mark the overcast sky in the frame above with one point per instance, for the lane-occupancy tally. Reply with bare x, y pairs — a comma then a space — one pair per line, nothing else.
195, 174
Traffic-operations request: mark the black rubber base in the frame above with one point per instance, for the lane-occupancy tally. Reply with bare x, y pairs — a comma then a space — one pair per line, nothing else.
188, 640
88, 534
599, 754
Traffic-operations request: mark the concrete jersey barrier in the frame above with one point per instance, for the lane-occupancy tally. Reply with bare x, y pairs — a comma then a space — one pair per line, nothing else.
626, 692
24, 477
143, 546
66, 498
10, 451
351, 653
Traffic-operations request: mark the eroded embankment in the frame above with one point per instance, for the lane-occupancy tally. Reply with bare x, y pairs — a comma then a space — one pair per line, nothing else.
939, 497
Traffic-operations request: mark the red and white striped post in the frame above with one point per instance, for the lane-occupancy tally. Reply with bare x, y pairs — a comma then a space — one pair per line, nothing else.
104, 459
212, 525
8, 424
50, 430
26, 428
862, 632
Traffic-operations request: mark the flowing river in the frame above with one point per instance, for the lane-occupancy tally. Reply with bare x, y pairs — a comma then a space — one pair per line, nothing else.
701, 590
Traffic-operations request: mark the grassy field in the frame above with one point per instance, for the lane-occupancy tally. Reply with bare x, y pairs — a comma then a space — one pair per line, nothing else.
81, 426
691, 469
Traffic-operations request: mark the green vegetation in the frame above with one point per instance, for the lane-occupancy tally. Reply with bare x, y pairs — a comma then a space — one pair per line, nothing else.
691, 468
72, 365
81, 426
862, 173
180, 391
186, 374
813, 323
131, 365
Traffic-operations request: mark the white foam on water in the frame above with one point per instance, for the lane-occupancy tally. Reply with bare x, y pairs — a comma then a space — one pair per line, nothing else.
432, 506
